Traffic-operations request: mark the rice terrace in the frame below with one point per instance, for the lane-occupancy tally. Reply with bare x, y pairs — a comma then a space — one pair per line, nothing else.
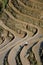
21, 32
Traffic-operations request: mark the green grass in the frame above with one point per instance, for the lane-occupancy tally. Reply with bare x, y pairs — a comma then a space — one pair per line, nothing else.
5, 3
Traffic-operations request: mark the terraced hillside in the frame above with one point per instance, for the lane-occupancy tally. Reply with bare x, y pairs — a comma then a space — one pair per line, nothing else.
21, 32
